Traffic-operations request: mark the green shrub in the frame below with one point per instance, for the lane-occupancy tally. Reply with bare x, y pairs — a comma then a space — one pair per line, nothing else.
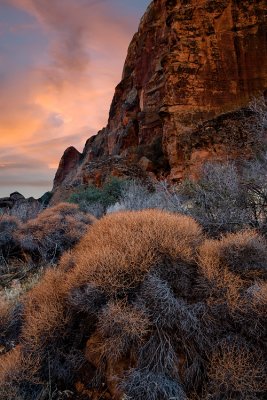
104, 197
45, 199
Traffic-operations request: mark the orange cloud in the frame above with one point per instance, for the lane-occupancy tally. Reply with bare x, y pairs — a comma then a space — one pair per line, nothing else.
62, 95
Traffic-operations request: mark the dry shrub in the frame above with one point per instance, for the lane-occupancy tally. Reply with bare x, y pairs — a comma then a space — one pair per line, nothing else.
243, 253
251, 313
45, 315
8, 225
54, 231
16, 369
121, 328
147, 385
8, 242
10, 323
231, 264
49, 332
119, 300
26, 210
258, 296
82, 297
158, 299
236, 370
87, 299
234, 272
45, 320
122, 248
159, 355
9, 366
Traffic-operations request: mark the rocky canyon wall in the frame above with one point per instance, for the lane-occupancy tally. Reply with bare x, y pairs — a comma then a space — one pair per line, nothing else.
190, 67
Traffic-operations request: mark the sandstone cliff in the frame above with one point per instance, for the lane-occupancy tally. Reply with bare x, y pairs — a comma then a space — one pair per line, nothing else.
189, 67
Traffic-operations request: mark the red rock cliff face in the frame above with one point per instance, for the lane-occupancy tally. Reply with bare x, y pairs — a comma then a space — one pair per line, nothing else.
189, 66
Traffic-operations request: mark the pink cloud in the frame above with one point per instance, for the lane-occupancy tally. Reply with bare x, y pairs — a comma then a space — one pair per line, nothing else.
63, 95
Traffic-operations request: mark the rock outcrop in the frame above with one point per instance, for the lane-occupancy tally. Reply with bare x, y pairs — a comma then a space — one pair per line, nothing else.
16, 204
68, 163
7, 203
190, 67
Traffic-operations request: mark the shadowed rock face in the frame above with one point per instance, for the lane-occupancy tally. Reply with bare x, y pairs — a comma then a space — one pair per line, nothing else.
67, 165
189, 66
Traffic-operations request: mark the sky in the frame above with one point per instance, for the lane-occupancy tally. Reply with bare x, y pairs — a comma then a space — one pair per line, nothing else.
60, 61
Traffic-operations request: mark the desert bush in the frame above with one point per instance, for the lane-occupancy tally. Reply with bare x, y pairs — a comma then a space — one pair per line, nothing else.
217, 198
116, 311
158, 354
96, 209
233, 273
54, 231
229, 196
18, 376
49, 331
87, 299
255, 191
121, 328
236, 371
136, 240
8, 242
249, 312
146, 385
10, 323
97, 200
257, 294
243, 253
258, 107
158, 299
26, 210
136, 196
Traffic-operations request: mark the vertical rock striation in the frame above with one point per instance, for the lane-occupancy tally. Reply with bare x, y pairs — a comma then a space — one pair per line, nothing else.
190, 67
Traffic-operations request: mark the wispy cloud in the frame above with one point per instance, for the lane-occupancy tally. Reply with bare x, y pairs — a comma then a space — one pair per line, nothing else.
59, 64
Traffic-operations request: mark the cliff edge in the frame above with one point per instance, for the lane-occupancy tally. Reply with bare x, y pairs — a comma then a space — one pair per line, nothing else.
191, 69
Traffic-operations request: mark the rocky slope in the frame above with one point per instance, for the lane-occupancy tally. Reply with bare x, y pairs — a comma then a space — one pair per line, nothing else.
190, 67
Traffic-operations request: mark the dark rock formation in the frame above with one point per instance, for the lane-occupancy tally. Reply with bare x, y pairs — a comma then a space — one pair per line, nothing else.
16, 204
189, 67
67, 165
9, 202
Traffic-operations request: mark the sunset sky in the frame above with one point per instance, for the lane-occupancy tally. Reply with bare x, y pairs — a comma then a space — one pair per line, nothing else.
60, 61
